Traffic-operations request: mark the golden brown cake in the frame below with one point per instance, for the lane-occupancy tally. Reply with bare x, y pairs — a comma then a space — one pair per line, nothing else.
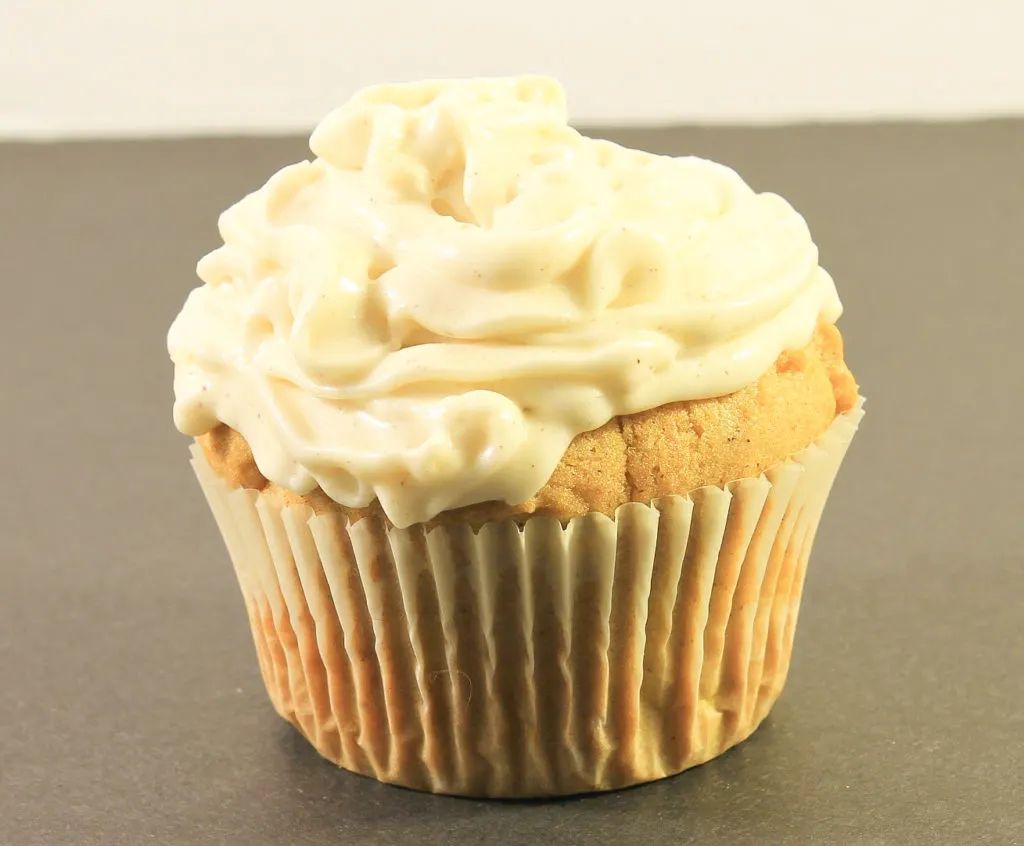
639, 457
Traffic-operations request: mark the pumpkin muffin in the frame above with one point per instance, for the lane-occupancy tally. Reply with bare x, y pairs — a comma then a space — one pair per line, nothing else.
518, 441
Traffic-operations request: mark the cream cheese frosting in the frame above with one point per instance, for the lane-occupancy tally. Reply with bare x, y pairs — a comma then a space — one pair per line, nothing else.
459, 284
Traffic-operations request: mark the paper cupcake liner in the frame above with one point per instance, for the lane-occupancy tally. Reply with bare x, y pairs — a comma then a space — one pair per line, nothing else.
531, 658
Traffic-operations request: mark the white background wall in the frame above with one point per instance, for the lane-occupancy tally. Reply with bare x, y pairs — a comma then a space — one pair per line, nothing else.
145, 67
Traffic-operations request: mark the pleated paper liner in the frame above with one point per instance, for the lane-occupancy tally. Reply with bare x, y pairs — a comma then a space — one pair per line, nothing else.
532, 659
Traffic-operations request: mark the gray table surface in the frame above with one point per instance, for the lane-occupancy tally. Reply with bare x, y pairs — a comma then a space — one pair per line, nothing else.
131, 707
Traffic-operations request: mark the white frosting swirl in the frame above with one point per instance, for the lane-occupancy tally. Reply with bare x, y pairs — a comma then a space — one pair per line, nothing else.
430, 311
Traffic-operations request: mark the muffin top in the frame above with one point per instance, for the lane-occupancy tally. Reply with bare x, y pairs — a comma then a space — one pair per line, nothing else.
429, 312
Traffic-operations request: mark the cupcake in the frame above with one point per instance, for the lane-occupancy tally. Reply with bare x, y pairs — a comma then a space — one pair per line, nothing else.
518, 441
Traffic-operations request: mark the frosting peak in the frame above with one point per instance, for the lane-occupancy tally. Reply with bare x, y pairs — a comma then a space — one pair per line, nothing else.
460, 283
